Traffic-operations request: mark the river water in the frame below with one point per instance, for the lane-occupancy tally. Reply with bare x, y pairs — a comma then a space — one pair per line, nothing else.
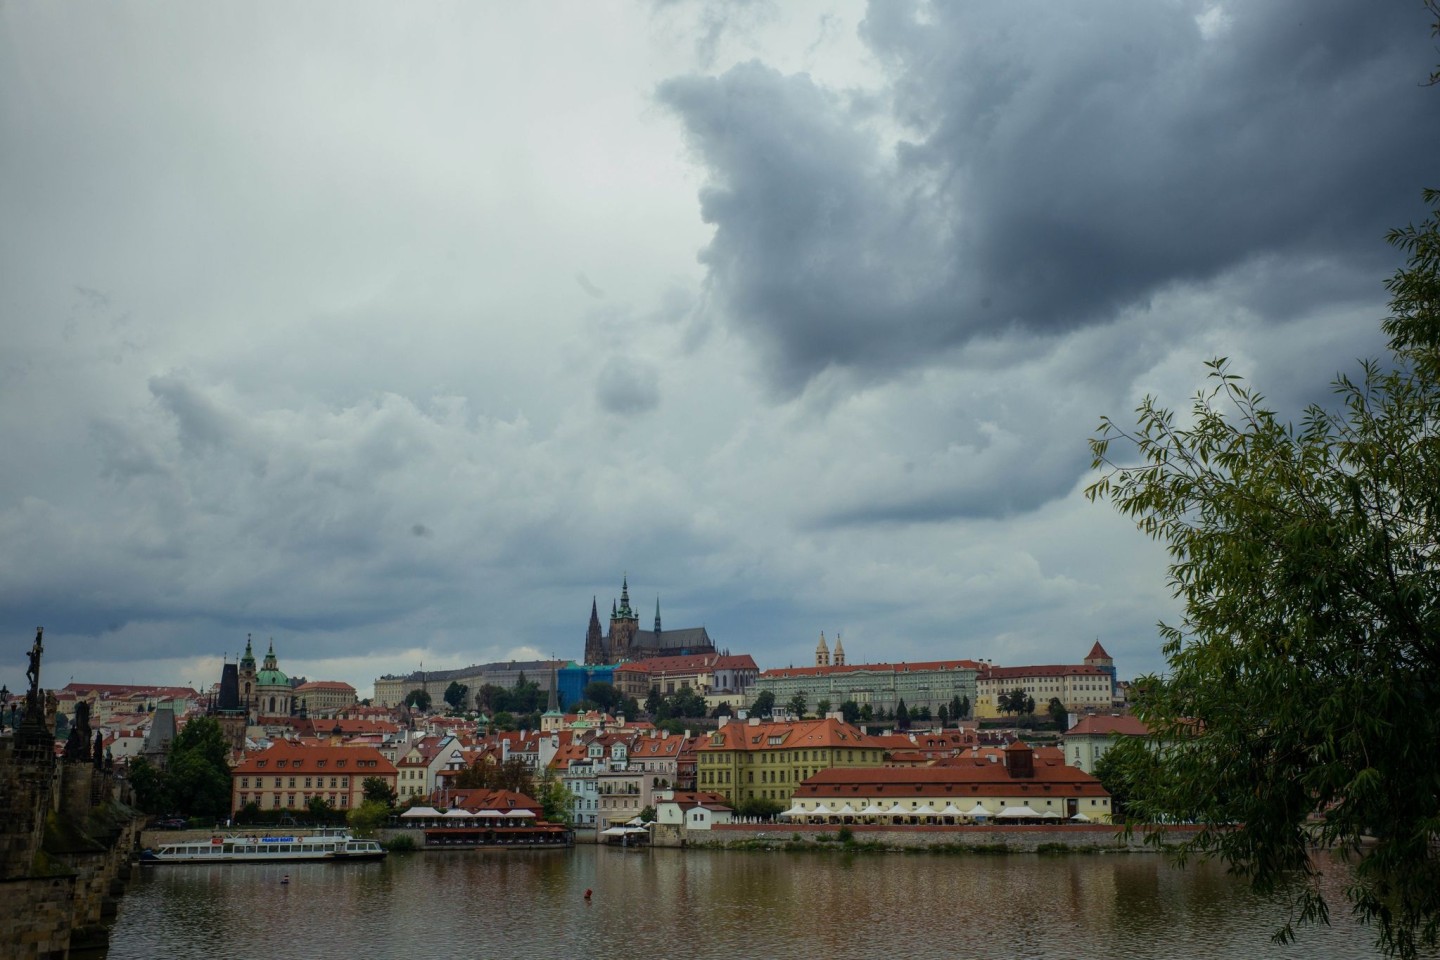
709, 904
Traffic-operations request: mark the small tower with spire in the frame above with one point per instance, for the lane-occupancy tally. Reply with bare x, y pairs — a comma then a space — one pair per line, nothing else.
839, 652
594, 640
822, 652
657, 614
245, 677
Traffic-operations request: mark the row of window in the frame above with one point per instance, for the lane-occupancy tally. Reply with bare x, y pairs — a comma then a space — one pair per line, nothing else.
334, 799
319, 782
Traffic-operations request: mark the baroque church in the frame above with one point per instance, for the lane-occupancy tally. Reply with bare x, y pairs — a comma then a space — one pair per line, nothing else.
626, 641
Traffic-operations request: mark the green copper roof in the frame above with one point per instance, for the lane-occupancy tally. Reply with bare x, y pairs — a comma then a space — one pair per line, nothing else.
272, 678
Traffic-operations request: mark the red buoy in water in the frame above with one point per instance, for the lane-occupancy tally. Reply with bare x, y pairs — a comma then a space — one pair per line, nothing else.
587, 894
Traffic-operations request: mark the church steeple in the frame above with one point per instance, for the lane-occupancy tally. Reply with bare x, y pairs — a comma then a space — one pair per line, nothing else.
657, 613
625, 610
839, 652
248, 660
822, 652
594, 640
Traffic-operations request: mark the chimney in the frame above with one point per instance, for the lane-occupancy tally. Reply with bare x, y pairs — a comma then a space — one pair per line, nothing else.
754, 721
724, 719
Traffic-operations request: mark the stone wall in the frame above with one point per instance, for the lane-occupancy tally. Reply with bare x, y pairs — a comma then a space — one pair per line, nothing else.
66, 853
986, 839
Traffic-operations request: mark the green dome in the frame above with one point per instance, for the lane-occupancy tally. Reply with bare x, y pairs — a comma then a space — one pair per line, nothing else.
271, 678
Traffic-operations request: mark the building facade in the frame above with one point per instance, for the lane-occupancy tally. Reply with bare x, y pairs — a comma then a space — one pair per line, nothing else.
288, 776
751, 760
1084, 687
931, 684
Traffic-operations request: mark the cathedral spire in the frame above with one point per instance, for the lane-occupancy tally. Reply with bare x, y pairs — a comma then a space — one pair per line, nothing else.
822, 652
657, 613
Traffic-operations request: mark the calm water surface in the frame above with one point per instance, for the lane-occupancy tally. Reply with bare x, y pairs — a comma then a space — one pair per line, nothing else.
704, 905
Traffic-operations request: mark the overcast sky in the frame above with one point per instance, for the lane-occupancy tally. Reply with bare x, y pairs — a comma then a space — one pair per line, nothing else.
398, 331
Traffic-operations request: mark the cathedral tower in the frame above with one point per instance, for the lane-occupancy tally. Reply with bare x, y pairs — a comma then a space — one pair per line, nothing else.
822, 652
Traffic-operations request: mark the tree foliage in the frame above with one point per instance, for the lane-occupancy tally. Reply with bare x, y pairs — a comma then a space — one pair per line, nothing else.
456, 693
1304, 679
378, 790
418, 699
763, 704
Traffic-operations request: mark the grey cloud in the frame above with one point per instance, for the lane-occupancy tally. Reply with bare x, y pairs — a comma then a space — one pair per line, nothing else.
627, 387
584, 283
1054, 176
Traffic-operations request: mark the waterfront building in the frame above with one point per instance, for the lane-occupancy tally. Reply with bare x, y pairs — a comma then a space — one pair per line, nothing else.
1012, 785
418, 768
1092, 736
1085, 687
626, 641
690, 810
288, 775
931, 684
748, 760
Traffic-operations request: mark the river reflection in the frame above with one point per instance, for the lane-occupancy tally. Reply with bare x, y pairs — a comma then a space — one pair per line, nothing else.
703, 905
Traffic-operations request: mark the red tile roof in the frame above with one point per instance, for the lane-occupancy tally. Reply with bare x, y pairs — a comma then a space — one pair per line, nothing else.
874, 668
1106, 725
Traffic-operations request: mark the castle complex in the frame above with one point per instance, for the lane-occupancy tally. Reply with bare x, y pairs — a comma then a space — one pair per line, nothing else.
626, 641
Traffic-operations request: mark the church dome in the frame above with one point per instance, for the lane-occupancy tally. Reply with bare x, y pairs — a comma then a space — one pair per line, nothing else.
272, 678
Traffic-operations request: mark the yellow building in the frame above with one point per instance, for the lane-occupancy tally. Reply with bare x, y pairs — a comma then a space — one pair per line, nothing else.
1080, 687
324, 696
767, 761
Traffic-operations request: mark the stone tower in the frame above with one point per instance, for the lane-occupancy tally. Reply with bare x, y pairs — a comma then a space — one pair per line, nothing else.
245, 678
822, 652
594, 640
623, 625
839, 652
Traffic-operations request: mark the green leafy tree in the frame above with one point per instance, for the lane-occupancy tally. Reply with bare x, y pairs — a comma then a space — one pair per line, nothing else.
1301, 680
630, 708
320, 810
943, 714
378, 790
1059, 715
456, 693
867, 713
797, 703
850, 711
197, 770
152, 792
368, 817
902, 716
957, 709
602, 694
723, 710
687, 703
763, 704
418, 699
822, 707
555, 798
648, 814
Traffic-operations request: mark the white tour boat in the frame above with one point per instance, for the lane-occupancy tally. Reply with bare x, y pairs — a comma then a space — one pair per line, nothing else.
265, 849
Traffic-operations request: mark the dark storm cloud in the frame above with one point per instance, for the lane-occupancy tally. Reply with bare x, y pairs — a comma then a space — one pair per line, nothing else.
1058, 168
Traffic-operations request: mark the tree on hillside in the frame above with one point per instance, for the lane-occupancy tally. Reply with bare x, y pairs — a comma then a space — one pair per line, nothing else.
455, 694
1300, 703
654, 701
797, 704
902, 716
763, 704
850, 711
822, 707
1059, 715
418, 699
602, 694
